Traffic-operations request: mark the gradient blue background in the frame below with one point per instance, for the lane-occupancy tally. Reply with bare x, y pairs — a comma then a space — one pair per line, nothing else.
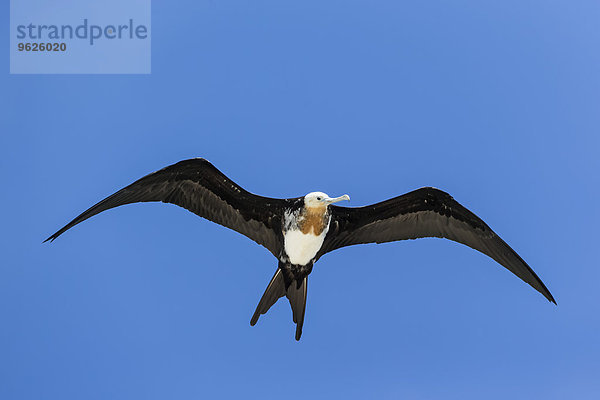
495, 102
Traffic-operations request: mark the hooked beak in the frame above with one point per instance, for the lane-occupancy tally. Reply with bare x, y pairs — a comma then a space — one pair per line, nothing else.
336, 199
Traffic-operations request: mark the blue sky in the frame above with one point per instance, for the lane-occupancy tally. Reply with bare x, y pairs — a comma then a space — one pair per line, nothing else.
495, 102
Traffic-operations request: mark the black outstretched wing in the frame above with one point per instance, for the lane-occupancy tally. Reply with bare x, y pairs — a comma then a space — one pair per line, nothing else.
199, 187
425, 212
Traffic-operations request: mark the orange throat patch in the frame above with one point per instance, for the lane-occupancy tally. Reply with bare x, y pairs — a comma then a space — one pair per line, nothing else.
313, 220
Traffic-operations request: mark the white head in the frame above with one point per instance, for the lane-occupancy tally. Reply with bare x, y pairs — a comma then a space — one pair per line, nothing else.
320, 199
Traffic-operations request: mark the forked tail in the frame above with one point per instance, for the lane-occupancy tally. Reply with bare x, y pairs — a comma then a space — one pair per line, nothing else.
282, 284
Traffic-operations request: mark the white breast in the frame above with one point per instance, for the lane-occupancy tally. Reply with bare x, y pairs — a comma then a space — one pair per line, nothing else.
302, 248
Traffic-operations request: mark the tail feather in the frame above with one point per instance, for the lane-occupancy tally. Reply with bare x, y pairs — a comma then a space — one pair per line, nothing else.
296, 294
284, 285
275, 290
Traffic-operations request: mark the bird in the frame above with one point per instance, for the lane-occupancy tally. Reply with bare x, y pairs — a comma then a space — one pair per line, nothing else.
299, 231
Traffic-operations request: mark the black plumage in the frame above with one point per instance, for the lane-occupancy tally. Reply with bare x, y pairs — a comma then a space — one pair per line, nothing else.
425, 212
199, 187
202, 189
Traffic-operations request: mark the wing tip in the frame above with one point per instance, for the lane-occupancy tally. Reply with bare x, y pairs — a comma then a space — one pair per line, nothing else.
542, 288
51, 238
544, 291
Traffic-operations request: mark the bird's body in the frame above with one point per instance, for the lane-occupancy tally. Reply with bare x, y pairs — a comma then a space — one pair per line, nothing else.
301, 248
298, 231
304, 230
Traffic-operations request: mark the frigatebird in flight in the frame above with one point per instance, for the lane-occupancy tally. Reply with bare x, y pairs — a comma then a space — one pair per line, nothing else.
298, 231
